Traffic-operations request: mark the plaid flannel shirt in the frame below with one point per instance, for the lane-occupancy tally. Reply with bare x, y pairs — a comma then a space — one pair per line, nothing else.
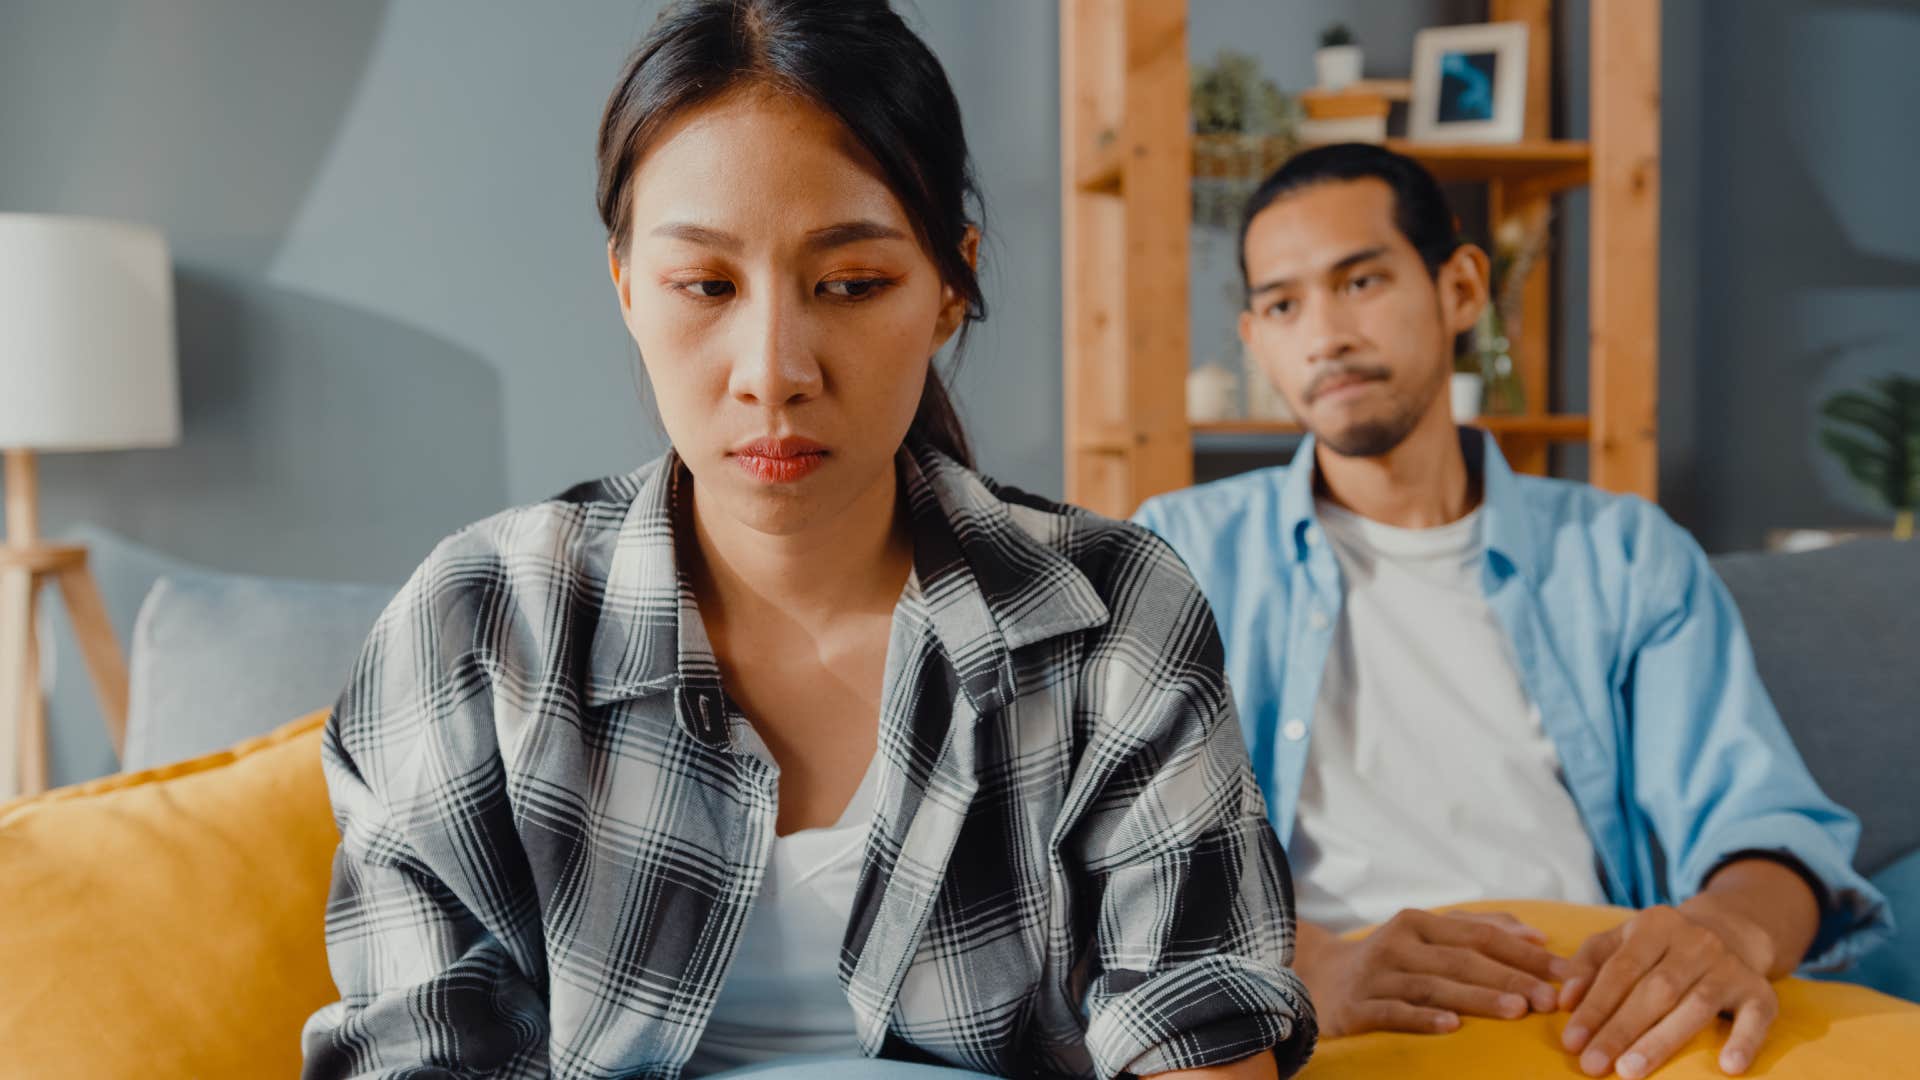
551, 837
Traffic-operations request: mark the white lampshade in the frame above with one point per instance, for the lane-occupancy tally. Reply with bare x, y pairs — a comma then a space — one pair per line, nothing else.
86, 335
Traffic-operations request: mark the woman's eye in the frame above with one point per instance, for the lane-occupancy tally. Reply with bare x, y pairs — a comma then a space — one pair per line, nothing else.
853, 288
709, 289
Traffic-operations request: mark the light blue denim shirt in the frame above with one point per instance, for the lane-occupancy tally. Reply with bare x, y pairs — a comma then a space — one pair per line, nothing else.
1626, 640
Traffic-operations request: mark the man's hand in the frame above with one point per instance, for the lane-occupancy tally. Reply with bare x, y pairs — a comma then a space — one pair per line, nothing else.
1421, 972
1642, 990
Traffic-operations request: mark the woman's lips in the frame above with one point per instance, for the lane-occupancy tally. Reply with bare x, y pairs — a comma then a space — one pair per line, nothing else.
780, 461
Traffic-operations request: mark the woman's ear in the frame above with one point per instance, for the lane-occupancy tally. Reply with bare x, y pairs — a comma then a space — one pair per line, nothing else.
1463, 284
621, 286
953, 306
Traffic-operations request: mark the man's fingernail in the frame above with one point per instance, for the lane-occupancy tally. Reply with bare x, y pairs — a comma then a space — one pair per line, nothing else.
1733, 1061
1560, 969
1573, 1038
1513, 1004
1446, 1022
1569, 989
1632, 1066
1545, 999
1594, 1063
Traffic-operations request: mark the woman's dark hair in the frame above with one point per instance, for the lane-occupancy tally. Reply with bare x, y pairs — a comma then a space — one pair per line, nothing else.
857, 60
1420, 207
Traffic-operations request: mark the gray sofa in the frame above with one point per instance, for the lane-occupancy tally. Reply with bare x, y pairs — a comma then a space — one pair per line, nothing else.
219, 657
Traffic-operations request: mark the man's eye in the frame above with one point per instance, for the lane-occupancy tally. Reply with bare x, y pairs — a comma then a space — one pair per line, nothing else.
710, 288
1282, 307
1364, 282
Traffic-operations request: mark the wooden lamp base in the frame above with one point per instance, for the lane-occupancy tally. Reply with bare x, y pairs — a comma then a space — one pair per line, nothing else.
25, 565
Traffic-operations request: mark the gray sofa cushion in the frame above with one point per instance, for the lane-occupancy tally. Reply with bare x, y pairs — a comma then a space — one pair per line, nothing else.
1836, 633
217, 658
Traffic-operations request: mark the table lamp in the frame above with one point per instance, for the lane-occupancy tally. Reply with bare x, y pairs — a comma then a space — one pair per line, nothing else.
86, 363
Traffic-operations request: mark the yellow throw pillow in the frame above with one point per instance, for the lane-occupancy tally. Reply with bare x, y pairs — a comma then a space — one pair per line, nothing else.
169, 922
1824, 1030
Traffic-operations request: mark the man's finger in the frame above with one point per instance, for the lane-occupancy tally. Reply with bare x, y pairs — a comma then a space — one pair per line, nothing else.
1513, 951
1465, 965
1506, 922
1698, 1008
1586, 962
1608, 989
1751, 1022
1440, 992
1384, 1014
1653, 997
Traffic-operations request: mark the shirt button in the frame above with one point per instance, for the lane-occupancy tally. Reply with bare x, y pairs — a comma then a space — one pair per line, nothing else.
1318, 620
1313, 535
1295, 730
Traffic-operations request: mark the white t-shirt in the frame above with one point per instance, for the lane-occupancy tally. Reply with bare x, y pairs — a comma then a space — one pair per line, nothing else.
1429, 780
782, 996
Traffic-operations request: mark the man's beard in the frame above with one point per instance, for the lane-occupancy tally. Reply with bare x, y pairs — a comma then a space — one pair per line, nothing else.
1371, 438
1367, 438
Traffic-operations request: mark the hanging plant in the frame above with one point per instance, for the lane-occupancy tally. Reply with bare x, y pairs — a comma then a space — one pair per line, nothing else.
1877, 439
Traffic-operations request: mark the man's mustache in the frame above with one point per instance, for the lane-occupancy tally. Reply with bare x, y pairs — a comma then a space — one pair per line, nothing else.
1344, 373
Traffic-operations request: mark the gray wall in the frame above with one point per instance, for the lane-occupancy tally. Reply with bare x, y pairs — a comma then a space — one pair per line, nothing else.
1807, 264
393, 309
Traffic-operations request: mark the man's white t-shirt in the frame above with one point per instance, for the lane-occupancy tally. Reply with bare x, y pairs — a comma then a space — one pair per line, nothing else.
1429, 780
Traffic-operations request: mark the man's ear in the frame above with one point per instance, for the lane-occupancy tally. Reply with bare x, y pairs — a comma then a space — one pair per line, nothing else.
1463, 281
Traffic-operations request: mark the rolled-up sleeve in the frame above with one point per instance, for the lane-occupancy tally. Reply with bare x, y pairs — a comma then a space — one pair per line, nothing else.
1180, 870
1715, 770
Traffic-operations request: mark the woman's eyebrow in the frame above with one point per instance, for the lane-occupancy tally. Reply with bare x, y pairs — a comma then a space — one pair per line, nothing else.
698, 234
851, 232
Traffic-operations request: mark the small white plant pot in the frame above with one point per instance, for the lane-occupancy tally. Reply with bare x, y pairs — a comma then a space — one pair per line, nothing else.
1468, 390
1338, 66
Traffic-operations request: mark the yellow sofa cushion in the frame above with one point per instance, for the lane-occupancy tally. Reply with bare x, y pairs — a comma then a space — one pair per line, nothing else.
169, 922
1824, 1030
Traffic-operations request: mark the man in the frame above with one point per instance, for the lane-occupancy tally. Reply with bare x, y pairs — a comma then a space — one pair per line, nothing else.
1459, 683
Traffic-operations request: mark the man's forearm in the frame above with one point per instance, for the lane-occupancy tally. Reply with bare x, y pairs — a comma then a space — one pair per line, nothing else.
1779, 911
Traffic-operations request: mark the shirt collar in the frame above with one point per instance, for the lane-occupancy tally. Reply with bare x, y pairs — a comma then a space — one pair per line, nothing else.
1509, 537
990, 585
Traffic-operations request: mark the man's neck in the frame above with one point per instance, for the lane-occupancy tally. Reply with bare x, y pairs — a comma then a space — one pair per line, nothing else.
1421, 484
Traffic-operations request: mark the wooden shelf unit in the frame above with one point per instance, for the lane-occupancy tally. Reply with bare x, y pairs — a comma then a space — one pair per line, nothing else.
1560, 428
1128, 160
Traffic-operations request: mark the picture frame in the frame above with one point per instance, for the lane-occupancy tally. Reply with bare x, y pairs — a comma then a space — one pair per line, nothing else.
1469, 84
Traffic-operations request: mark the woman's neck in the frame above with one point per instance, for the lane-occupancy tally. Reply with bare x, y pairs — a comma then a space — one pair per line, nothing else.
855, 562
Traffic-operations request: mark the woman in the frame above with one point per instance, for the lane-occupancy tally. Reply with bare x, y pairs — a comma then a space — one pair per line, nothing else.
804, 740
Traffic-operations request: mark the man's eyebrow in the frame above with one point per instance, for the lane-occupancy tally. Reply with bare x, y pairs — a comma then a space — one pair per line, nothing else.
1342, 263
698, 234
851, 232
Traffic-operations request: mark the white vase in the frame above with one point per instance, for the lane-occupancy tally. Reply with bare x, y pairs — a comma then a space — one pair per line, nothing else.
1212, 394
1263, 400
1337, 66
1467, 388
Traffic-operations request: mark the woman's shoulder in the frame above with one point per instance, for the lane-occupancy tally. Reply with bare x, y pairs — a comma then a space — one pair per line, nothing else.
570, 532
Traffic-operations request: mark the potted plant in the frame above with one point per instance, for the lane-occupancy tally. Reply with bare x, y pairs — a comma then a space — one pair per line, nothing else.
1877, 439
1243, 128
1337, 62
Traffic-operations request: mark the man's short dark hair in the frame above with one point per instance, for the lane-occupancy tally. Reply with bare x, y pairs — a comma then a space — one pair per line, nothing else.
1420, 207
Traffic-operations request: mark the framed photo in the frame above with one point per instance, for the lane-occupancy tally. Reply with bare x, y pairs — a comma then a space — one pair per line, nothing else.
1469, 83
